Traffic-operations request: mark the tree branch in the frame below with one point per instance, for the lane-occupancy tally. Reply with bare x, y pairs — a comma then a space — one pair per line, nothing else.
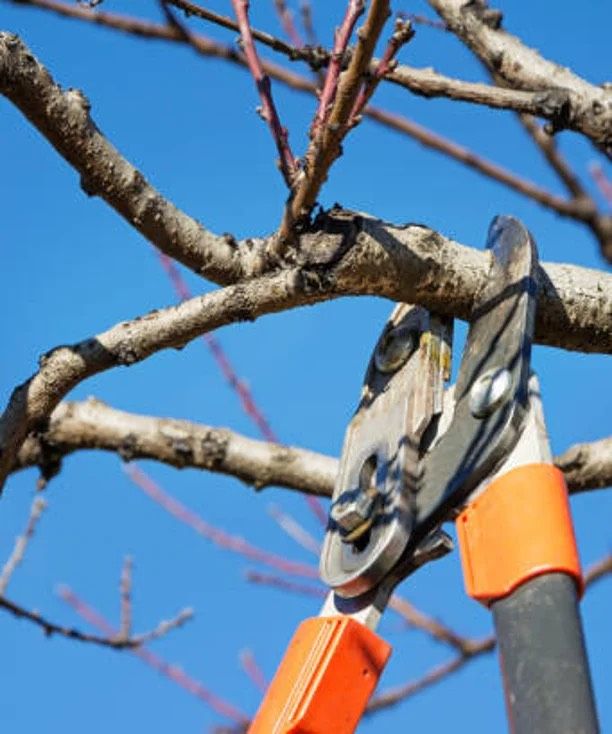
50, 628
571, 101
343, 253
325, 145
587, 465
287, 163
132, 341
352, 254
93, 425
211, 48
21, 543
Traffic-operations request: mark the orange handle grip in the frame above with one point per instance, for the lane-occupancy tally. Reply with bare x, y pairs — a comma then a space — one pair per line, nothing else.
324, 681
520, 527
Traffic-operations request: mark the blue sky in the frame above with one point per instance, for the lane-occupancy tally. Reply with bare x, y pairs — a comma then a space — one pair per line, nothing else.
72, 268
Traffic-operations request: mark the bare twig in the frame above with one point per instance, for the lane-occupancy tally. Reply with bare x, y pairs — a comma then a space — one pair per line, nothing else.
217, 536
21, 544
393, 696
424, 622
252, 669
287, 162
603, 182
307, 22
245, 395
418, 82
423, 135
284, 584
397, 122
331, 121
418, 19
294, 530
598, 570
125, 594
287, 23
165, 626
342, 36
548, 145
51, 628
401, 35
172, 672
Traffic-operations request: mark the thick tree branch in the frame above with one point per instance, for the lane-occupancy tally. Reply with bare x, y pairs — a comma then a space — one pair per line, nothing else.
132, 341
180, 443
93, 425
353, 254
572, 101
347, 254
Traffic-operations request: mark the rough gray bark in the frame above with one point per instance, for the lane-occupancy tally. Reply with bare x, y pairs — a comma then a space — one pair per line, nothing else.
409, 263
587, 465
93, 425
132, 341
340, 253
180, 443
572, 101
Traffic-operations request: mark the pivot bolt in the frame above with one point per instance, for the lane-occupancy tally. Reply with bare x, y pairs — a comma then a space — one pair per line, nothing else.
395, 348
490, 391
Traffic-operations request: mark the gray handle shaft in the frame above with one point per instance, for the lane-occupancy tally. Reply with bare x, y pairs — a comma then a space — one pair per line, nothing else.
543, 659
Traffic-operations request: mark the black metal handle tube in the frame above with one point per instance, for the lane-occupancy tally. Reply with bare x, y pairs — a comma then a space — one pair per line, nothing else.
543, 658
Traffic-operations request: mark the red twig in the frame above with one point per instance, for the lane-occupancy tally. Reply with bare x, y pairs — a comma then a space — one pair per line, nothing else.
125, 593
252, 669
294, 530
401, 35
423, 20
245, 396
342, 37
288, 163
173, 672
229, 373
287, 23
306, 13
603, 182
278, 582
21, 544
210, 532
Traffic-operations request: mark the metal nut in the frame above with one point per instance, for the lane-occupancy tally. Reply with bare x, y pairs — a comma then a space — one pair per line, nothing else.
355, 516
351, 515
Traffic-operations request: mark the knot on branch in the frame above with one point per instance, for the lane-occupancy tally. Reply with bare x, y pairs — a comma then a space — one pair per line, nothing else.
488, 16
326, 239
555, 104
214, 449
